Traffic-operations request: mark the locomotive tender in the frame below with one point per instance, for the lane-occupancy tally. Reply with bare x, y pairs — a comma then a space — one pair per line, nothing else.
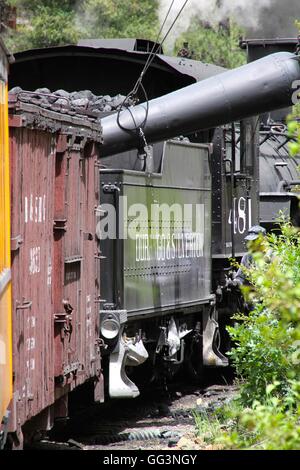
80, 296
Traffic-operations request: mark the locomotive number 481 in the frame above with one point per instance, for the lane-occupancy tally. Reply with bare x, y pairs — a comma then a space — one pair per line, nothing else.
241, 219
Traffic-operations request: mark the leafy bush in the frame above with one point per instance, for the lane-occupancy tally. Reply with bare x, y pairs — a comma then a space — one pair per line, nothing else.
43, 23
272, 425
267, 345
125, 18
214, 43
266, 339
294, 130
262, 354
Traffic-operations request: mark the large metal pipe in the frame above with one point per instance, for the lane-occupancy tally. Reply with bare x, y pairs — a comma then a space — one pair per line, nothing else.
255, 88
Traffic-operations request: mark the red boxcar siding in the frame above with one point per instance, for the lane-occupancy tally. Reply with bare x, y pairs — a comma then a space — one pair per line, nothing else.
54, 269
32, 258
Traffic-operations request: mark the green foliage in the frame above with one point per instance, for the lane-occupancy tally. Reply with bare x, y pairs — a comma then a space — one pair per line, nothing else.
266, 339
263, 354
267, 346
208, 426
294, 130
54, 22
214, 44
124, 18
272, 425
266, 352
44, 23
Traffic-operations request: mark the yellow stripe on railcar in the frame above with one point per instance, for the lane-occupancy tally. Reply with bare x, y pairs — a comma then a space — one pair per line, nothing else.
5, 275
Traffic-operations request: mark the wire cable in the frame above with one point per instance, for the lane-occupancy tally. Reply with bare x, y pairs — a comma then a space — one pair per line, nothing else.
152, 53
138, 84
168, 32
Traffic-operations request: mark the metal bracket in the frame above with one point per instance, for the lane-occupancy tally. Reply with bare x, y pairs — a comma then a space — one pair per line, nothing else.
60, 224
24, 305
121, 314
73, 259
64, 320
76, 142
73, 367
61, 317
110, 188
16, 242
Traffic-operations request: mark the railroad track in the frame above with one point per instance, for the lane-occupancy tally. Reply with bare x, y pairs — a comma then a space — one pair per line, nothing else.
142, 423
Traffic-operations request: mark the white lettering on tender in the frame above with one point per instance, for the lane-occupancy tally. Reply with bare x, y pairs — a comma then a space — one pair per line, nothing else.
165, 247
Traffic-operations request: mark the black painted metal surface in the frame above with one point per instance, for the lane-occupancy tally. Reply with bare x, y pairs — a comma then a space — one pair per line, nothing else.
252, 89
164, 263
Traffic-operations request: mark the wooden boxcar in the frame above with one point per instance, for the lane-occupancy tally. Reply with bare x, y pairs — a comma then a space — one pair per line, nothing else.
54, 187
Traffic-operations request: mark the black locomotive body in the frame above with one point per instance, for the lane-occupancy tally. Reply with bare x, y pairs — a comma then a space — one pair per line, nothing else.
170, 269
157, 267
279, 172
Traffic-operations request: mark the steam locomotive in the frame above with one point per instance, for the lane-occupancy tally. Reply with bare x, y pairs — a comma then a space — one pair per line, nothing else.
118, 254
